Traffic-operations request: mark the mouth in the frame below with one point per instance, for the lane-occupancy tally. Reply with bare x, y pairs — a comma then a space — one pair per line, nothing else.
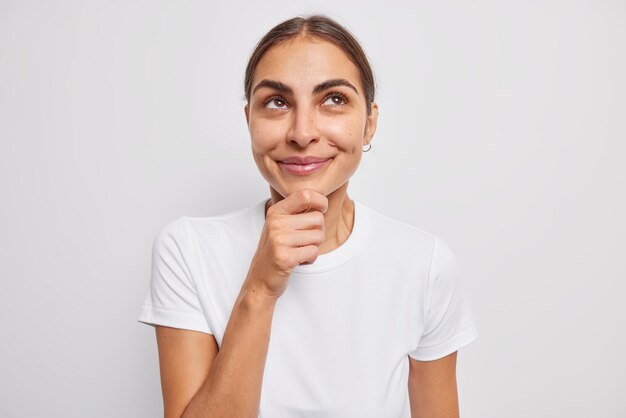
304, 160
304, 166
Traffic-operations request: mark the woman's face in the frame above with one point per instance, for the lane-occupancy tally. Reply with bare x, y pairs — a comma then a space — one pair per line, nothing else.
306, 100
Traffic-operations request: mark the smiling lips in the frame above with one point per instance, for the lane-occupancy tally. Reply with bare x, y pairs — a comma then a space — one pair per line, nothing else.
303, 165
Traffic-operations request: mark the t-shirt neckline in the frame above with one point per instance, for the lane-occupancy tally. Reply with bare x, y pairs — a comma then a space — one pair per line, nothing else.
337, 257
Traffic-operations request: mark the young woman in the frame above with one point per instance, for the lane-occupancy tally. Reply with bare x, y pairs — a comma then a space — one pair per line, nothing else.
307, 304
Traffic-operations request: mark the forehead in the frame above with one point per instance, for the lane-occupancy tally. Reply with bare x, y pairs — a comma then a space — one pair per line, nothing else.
305, 62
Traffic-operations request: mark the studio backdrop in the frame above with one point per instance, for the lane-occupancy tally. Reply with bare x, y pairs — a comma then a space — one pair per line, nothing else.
501, 130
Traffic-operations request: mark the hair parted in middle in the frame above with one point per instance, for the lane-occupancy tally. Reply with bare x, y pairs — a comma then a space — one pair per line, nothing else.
315, 26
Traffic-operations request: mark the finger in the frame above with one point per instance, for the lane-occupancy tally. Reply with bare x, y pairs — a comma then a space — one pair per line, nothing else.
306, 254
303, 221
304, 200
303, 238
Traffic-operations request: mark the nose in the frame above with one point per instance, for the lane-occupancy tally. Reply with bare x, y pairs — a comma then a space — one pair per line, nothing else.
303, 128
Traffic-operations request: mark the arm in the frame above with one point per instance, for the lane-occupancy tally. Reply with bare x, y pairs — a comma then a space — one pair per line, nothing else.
204, 382
185, 358
230, 379
432, 388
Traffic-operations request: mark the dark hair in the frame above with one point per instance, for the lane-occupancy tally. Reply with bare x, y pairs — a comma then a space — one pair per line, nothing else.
317, 26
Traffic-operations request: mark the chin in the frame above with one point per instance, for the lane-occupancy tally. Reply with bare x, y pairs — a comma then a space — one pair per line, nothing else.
290, 188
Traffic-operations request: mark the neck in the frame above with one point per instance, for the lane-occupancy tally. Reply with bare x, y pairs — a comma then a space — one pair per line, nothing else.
338, 219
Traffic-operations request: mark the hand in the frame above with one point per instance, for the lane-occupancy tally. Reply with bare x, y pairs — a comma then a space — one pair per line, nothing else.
292, 234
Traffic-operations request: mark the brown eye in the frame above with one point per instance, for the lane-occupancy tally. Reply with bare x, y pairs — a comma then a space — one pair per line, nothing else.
277, 102
335, 99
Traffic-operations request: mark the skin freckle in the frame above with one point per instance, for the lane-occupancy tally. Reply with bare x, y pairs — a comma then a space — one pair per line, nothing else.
310, 125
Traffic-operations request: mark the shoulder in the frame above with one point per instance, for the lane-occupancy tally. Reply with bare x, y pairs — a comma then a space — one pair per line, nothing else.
201, 232
231, 219
183, 228
172, 239
176, 230
401, 233
191, 238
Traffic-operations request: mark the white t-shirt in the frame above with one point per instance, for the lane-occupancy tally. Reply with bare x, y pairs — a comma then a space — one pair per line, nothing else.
343, 330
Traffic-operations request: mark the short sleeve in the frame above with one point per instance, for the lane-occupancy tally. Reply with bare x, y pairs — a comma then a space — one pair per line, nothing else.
172, 299
449, 324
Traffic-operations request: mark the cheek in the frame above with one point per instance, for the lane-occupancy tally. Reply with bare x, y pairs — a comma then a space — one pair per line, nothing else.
263, 135
347, 134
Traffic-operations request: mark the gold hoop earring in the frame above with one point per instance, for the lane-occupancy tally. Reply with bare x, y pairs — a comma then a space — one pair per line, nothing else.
370, 147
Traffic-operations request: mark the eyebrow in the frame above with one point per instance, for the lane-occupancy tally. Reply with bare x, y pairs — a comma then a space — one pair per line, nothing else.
285, 89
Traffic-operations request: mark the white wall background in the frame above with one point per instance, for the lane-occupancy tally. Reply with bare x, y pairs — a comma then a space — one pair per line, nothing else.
502, 129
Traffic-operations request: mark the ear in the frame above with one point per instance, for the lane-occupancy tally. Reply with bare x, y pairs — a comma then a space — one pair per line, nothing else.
246, 110
370, 124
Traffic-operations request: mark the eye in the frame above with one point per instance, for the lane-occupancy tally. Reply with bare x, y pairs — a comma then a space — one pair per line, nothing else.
336, 99
277, 101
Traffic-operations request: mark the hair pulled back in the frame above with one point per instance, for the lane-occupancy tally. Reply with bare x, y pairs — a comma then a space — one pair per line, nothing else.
317, 26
